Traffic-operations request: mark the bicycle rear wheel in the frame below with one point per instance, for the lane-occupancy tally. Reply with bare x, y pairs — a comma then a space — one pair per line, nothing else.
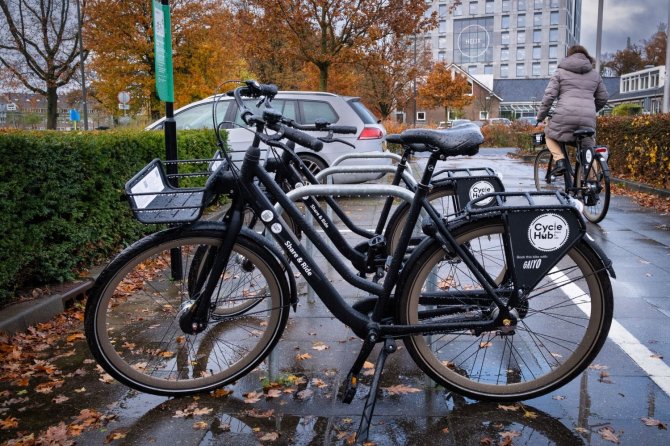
562, 324
132, 316
596, 197
544, 181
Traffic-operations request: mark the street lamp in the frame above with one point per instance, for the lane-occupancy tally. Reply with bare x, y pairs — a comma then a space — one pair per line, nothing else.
81, 65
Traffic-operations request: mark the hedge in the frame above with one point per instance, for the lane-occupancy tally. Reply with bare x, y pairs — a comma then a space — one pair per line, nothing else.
61, 206
639, 147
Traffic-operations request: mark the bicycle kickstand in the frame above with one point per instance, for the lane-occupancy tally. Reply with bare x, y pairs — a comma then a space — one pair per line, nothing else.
371, 400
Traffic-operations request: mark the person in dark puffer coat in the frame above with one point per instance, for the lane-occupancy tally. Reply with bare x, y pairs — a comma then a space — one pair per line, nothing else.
579, 93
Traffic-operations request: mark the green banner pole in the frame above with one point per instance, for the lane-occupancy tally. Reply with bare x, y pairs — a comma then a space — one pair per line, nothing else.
165, 91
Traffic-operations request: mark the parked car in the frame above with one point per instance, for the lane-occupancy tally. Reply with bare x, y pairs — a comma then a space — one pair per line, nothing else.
305, 108
499, 121
531, 120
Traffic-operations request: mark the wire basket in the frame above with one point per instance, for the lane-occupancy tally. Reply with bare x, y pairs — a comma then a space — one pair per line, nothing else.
538, 139
154, 198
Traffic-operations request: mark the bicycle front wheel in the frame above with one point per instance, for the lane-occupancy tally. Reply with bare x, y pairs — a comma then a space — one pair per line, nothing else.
132, 316
544, 181
596, 192
562, 323
441, 197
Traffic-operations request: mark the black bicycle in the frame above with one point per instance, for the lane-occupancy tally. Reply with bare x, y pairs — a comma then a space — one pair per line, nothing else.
588, 180
505, 303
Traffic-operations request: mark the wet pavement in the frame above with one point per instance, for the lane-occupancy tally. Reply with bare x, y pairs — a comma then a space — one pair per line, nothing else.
628, 381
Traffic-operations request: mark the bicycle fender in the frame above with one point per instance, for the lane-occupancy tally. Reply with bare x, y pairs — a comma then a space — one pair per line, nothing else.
603, 163
606, 261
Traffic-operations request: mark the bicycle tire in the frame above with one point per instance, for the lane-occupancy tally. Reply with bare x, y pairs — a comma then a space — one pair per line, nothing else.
597, 205
554, 339
131, 317
543, 181
442, 197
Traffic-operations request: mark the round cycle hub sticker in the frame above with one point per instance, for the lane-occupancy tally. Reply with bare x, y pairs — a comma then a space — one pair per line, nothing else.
548, 232
481, 188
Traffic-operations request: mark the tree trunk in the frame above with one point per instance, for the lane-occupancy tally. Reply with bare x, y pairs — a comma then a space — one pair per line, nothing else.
52, 108
323, 77
446, 114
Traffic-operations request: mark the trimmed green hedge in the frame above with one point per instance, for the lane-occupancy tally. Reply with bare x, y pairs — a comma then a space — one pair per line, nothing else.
60, 199
639, 147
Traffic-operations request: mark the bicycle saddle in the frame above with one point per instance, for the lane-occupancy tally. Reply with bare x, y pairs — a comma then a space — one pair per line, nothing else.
583, 132
461, 140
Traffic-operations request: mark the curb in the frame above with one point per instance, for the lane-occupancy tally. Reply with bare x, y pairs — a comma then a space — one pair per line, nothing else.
20, 316
640, 187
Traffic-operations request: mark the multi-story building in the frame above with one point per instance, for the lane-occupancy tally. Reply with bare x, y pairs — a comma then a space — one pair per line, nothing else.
505, 39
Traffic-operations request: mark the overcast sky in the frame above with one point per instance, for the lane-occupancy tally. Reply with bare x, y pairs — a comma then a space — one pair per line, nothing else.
637, 19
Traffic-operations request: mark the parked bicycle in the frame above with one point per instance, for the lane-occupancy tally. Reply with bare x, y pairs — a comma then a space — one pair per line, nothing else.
505, 303
588, 180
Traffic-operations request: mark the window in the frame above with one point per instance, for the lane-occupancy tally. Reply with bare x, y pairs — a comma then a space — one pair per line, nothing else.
553, 35
441, 56
504, 38
521, 5
520, 70
521, 53
521, 20
505, 5
420, 116
538, 4
555, 3
552, 67
536, 69
504, 54
537, 35
537, 19
488, 69
442, 11
473, 8
200, 116
504, 71
313, 110
505, 22
472, 69
443, 26
458, 10
553, 52
537, 52
521, 37
442, 42
489, 7
483, 115
553, 18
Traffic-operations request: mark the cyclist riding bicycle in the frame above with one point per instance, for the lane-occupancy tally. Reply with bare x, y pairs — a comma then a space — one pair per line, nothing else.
579, 93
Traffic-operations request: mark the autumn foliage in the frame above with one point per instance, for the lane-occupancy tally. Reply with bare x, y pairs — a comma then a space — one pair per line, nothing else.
446, 89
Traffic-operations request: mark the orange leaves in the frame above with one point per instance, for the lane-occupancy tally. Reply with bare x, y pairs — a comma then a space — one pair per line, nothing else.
444, 88
400, 389
9, 423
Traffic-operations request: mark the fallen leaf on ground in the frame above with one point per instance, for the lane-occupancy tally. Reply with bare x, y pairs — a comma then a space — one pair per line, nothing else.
319, 346
274, 393
512, 408
200, 425
116, 435
401, 389
302, 357
9, 423
260, 414
305, 394
252, 397
220, 393
607, 433
654, 422
270, 436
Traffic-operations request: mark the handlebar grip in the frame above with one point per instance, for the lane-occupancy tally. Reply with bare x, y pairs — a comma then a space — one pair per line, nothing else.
302, 139
343, 129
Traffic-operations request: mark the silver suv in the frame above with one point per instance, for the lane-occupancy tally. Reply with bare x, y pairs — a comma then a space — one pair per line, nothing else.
305, 108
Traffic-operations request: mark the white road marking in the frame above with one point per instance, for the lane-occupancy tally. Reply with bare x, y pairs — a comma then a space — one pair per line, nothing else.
655, 368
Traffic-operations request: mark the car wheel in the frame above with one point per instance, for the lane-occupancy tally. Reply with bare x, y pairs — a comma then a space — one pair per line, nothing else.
313, 163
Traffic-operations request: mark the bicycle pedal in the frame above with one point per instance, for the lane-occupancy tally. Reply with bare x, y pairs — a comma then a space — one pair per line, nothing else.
350, 389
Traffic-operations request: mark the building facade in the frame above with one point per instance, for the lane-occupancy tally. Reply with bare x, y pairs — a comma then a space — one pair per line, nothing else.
644, 87
508, 39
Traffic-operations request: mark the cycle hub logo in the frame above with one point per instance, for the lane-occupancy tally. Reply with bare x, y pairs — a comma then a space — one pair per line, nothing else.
548, 232
481, 188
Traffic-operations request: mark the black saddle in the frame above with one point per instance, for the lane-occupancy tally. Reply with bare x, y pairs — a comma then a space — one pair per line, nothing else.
460, 140
583, 132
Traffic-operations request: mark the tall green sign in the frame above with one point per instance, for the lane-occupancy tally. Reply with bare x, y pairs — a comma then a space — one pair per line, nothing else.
163, 51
